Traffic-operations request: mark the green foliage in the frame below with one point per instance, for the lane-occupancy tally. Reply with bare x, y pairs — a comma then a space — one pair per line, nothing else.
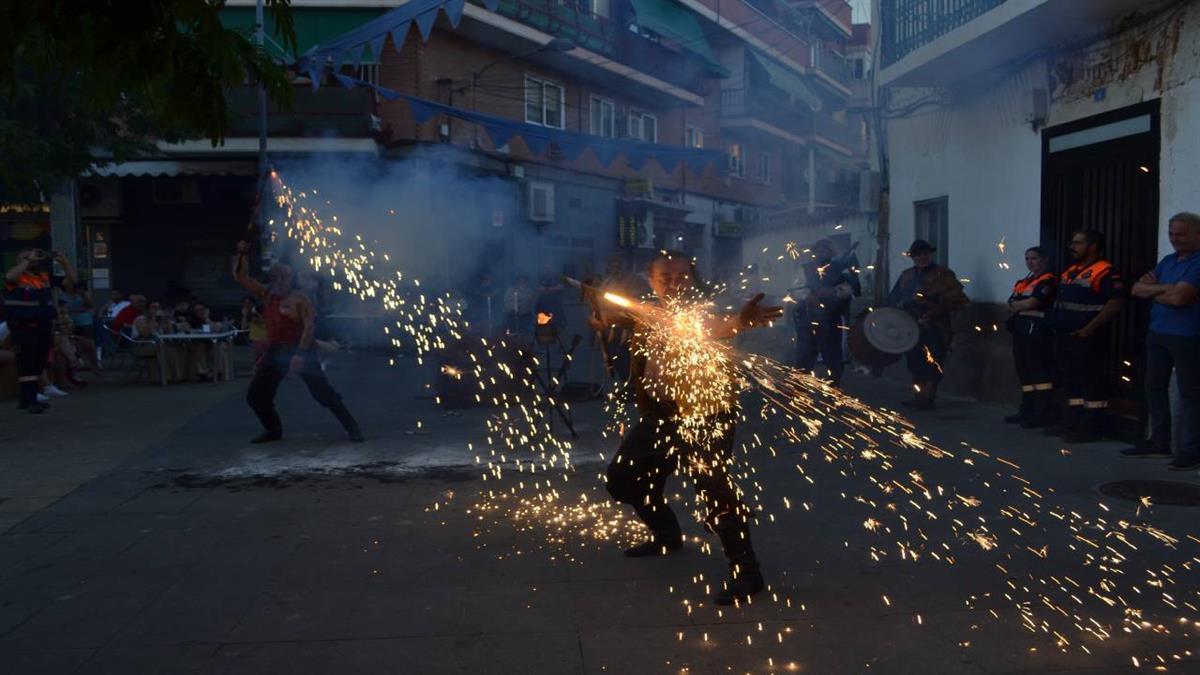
87, 78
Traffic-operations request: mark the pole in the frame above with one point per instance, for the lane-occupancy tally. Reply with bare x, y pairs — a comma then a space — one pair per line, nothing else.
260, 40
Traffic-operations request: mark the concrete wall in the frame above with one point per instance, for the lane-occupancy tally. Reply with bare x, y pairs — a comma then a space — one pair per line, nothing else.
973, 145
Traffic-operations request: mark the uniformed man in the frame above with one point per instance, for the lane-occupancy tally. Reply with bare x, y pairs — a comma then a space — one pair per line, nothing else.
931, 293
1033, 344
30, 311
1090, 295
822, 293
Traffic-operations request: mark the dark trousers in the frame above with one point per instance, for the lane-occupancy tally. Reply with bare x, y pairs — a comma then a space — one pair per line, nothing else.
932, 345
1083, 369
1165, 353
269, 373
651, 453
32, 338
1034, 356
819, 335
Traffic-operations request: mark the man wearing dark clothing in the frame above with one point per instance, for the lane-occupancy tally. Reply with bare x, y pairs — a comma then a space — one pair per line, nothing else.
822, 293
657, 447
1174, 344
30, 311
1033, 344
1090, 295
931, 294
290, 333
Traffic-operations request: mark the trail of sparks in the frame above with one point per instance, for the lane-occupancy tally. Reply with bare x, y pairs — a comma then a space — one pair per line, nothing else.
1040, 546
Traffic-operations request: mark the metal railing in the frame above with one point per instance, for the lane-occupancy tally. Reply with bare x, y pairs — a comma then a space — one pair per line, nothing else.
331, 110
758, 103
909, 25
831, 63
571, 20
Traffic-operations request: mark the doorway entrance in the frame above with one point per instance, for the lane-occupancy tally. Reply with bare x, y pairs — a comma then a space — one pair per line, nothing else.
1101, 173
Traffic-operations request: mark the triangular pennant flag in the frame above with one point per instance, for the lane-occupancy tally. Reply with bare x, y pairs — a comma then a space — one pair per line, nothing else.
606, 151
491, 4
571, 151
420, 111
315, 74
637, 158
537, 144
345, 80
399, 35
454, 10
377, 47
388, 94
500, 135
425, 23
668, 161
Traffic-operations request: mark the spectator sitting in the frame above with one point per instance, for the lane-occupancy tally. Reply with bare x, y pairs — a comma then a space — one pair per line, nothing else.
116, 302
71, 351
183, 313
79, 306
125, 318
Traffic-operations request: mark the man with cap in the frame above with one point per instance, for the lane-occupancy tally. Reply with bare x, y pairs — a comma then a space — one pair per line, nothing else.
822, 293
931, 294
1090, 295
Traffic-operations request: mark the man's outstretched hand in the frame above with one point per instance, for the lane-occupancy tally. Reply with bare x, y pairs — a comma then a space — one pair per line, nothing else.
753, 314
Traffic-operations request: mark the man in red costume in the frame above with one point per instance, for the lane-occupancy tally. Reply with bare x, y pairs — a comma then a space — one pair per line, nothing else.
291, 321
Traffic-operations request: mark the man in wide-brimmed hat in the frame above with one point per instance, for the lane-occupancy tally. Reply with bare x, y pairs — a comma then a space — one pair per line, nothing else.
931, 294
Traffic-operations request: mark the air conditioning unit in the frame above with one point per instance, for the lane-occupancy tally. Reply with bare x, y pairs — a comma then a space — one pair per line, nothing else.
100, 198
174, 191
540, 202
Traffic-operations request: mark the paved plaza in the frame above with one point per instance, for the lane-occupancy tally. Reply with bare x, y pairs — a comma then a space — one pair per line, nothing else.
143, 534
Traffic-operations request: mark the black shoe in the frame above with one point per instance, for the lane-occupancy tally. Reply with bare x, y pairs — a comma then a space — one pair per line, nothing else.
1146, 449
267, 436
655, 547
1180, 464
739, 587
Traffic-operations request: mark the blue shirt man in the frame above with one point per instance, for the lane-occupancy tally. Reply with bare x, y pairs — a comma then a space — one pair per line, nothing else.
1174, 345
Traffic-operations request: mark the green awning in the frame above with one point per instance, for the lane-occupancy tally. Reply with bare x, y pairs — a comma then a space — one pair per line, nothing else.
313, 27
786, 80
678, 24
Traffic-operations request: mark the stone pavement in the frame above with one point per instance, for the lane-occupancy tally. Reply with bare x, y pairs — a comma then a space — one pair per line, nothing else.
163, 543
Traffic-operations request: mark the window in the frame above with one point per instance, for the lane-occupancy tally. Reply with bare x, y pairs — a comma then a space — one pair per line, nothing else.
543, 102
643, 127
602, 117
693, 137
860, 69
762, 168
931, 220
733, 153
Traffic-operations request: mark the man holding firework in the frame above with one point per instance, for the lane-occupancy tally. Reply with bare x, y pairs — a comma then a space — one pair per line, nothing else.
291, 324
687, 404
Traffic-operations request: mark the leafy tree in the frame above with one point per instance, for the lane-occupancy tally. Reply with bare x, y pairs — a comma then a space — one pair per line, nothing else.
82, 79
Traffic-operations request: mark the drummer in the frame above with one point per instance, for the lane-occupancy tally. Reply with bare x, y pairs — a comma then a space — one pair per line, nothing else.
822, 291
931, 294
1033, 343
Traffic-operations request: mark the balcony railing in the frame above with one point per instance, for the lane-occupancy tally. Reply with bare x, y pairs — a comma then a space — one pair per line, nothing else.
762, 105
909, 25
831, 63
846, 135
572, 20
329, 111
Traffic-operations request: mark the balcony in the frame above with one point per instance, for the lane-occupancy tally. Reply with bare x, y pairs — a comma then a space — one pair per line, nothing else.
329, 111
928, 43
842, 134
830, 62
571, 19
832, 19
740, 107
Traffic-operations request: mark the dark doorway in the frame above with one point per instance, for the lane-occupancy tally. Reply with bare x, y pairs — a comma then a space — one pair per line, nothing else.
1102, 173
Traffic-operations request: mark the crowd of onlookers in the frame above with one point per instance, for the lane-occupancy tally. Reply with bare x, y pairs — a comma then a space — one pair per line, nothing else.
87, 335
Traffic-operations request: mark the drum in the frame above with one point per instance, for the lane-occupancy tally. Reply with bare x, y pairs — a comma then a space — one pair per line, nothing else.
878, 338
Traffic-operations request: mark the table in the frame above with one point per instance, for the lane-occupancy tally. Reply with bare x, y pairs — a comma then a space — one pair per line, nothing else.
224, 336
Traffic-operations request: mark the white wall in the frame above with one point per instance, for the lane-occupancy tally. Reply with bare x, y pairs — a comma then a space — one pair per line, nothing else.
987, 160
